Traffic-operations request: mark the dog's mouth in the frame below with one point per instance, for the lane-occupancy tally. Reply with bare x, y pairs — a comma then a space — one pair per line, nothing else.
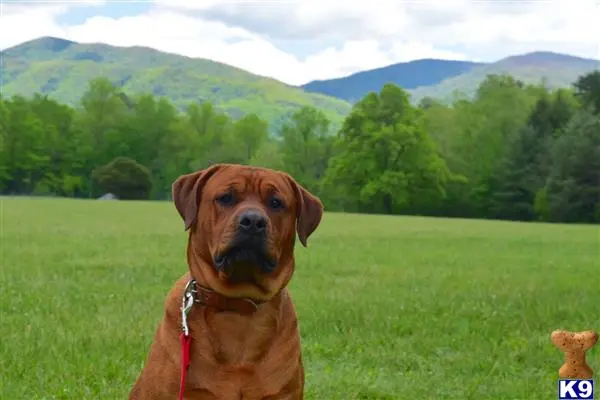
240, 262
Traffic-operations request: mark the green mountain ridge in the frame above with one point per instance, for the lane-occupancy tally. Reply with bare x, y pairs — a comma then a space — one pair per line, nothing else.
61, 69
552, 69
409, 75
442, 78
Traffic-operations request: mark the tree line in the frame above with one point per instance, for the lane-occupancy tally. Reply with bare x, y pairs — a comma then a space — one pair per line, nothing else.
512, 151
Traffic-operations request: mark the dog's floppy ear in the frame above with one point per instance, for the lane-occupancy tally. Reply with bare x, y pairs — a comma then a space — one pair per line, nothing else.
187, 190
309, 214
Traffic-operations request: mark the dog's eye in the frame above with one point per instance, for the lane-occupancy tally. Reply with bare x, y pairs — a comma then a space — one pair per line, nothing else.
275, 203
226, 199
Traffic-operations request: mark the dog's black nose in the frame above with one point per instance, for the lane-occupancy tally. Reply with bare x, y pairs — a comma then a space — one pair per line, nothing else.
252, 222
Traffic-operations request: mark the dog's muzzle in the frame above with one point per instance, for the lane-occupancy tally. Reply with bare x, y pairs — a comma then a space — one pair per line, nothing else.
248, 249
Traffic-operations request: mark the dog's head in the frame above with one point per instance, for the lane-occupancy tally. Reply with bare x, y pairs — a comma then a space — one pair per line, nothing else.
243, 222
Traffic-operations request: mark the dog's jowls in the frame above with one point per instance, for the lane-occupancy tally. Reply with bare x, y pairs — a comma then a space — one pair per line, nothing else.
242, 225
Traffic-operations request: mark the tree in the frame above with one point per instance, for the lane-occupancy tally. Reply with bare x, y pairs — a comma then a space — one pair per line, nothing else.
485, 128
522, 173
269, 155
25, 147
587, 89
440, 123
124, 178
306, 146
249, 133
100, 121
427, 102
148, 134
564, 106
573, 188
519, 177
386, 160
4, 125
213, 136
63, 173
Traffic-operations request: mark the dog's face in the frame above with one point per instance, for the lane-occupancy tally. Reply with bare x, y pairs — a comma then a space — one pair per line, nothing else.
243, 223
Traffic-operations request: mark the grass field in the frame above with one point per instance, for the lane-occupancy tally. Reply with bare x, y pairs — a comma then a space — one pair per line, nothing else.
389, 307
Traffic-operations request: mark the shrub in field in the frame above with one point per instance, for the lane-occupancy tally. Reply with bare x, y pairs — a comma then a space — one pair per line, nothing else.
125, 178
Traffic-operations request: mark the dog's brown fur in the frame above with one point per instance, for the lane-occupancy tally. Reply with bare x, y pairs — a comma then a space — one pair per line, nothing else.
234, 356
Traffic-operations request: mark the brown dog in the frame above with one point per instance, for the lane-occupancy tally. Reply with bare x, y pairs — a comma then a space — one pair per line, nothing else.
245, 342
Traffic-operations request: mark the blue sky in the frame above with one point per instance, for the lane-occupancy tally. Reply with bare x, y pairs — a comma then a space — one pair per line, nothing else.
115, 9
300, 40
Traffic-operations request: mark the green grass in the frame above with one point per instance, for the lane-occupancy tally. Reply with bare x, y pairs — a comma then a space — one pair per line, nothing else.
389, 307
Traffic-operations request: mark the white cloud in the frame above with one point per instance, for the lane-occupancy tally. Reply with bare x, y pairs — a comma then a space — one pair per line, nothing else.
383, 19
19, 23
492, 28
23, 21
315, 19
369, 34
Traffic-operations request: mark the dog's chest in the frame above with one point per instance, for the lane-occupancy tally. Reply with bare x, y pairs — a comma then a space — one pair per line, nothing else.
244, 361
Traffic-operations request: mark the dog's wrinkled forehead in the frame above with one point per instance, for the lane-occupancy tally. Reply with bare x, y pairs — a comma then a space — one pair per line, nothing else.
249, 182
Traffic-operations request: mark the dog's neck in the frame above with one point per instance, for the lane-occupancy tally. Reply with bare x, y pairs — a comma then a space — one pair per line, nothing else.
210, 298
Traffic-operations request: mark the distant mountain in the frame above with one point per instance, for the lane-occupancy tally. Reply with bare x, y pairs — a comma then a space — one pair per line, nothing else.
409, 75
61, 69
556, 70
441, 78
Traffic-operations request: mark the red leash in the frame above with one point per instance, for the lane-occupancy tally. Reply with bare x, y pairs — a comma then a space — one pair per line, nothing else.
185, 360
185, 339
